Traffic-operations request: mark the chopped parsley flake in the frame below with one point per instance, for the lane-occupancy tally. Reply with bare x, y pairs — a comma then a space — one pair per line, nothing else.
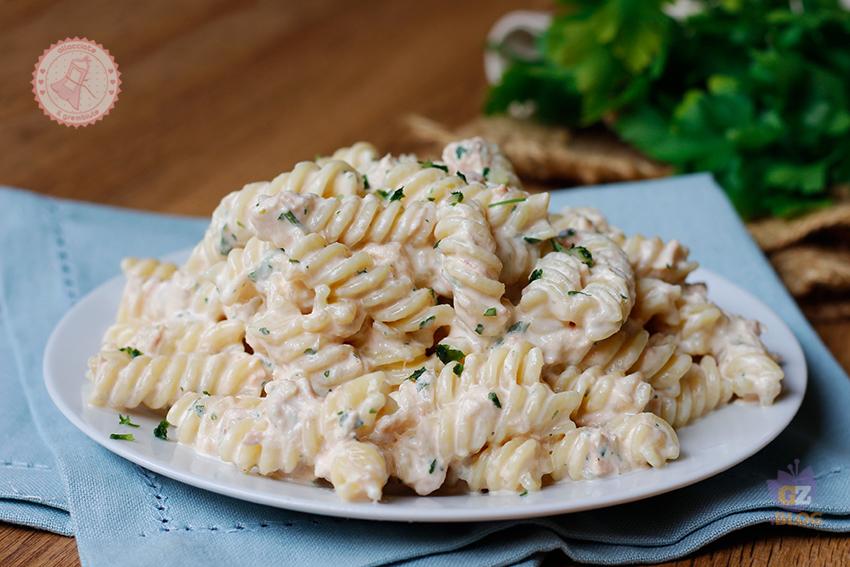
524, 493
133, 352
326, 373
125, 420
494, 397
448, 354
288, 215
294, 261
577, 293
122, 436
457, 197
583, 254
427, 321
531, 239
458, 369
309, 351
428, 163
398, 194
432, 467
459, 151
382, 193
227, 241
264, 331
437, 244
416, 374
535, 275
479, 328
462, 176
486, 172
557, 246
365, 182
507, 202
491, 312
161, 430
518, 327
206, 393
373, 410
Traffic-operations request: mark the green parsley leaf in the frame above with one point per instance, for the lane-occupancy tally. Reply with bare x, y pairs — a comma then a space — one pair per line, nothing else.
432, 467
448, 354
583, 254
486, 172
397, 194
479, 328
427, 321
531, 239
462, 176
428, 163
264, 331
365, 182
494, 397
382, 193
125, 420
490, 312
523, 493
457, 197
573, 292
206, 393
288, 215
507, 202
310, 351
122, 436
416, 374
535, 275
133, 352
161, 430
518, 327
557, 246
459, 151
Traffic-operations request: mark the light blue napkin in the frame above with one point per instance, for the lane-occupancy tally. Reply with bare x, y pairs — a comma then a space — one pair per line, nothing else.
52, 477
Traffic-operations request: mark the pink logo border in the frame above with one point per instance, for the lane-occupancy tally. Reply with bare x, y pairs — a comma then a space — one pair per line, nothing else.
52, 114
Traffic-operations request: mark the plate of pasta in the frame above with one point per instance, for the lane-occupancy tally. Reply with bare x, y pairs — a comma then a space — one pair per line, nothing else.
389, 338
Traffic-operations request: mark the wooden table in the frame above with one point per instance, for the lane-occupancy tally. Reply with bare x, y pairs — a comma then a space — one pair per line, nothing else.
219, 93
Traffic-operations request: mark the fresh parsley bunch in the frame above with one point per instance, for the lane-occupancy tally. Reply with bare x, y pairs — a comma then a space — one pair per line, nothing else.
756, 92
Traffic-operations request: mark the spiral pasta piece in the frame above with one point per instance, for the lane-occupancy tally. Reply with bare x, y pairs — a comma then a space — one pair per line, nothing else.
625, 443
176, 336
359, 155
127, 380
584, 219
654, 258
520, 226
240, 431
518, 465
229, 227
576, 297
471, 269
480, 160
605, 396
701, 390
744, 361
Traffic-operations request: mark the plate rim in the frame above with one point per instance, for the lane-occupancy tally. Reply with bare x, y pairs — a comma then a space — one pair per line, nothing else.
384, 511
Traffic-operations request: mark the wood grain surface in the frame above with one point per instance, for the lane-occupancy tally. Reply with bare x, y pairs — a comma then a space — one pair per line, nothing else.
219, 93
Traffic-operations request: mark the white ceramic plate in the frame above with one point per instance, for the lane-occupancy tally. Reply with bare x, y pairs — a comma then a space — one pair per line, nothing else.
707, 447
